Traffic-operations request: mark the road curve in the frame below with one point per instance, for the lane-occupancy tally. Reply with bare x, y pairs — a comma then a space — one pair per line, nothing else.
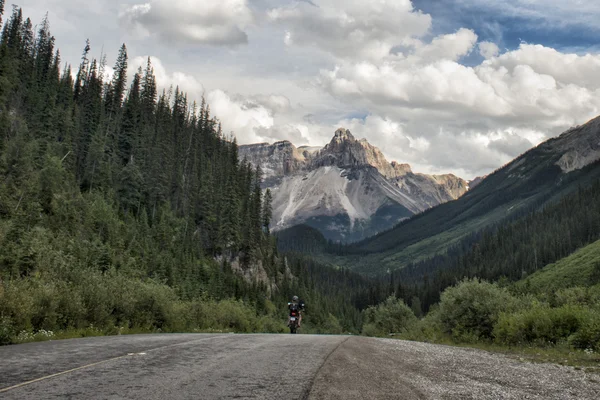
226, 366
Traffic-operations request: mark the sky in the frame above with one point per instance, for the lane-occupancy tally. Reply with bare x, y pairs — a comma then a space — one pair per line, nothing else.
452, 86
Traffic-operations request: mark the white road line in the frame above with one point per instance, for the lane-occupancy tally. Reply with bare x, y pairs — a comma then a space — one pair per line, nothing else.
59, 373
6, 389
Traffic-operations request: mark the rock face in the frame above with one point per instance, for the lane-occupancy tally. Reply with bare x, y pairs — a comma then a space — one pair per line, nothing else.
276, 160
580, 146
347, 189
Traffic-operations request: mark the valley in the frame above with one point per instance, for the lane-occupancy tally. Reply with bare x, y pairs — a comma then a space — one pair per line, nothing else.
540, 177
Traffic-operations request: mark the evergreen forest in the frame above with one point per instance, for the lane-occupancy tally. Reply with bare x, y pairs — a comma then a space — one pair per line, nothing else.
125, 208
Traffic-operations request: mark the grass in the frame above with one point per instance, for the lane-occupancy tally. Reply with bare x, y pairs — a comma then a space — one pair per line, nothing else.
43, 335
578, 269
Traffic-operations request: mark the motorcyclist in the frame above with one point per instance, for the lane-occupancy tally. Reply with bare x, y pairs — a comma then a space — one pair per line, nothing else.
296, 304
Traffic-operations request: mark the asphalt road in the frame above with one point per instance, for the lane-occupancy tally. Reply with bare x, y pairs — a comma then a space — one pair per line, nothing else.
227, 366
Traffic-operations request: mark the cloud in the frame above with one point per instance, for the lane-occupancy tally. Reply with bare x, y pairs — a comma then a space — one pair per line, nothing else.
449, 47
206, 22
580, 70
351, 28
532, 82
295, 133
488, 50
166, 80
511, 143
237, 117
441, 86
470, 117
274, 103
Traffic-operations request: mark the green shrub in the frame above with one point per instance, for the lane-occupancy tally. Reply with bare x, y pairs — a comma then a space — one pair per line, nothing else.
589, 296
370, 329
588, 335
332, 326
391, 316
540, 325
428, 329
7, 330
470, 310
17, 303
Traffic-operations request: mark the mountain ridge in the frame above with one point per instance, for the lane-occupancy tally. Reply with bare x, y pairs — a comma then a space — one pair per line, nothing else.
540, 176
347, 189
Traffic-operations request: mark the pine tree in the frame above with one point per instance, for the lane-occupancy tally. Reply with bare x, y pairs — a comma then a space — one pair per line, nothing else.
28, 51
267, 211
149, 93
1, 11
114, 99
82, 73
128, 135
13, 30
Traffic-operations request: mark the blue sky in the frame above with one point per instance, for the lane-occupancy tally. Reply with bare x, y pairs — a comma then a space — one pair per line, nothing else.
508, 28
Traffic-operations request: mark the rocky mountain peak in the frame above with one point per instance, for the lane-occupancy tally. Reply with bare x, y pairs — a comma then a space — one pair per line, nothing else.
345, 151
347, 189
343, 135
580, 146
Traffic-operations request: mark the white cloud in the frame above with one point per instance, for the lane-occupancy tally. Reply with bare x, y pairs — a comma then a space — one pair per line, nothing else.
295, 133
510, 142
574, 69
274, 103
166, 80
449, 47
488, 49
517, 86
238, 118
444, 85
352, 28
206, 22
470, 117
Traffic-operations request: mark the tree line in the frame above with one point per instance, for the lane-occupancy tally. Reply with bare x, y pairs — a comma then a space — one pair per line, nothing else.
122, 205
510, 251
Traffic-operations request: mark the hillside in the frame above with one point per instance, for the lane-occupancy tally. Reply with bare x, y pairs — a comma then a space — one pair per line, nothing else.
511, 250
125, 209
542, 175
580, 269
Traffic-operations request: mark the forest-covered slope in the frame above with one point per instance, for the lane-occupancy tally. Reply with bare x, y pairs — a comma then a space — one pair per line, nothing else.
580, 269
125, 208
541, 176
512, 250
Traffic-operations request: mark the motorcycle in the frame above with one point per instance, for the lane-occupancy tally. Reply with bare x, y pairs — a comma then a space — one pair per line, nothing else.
294, 319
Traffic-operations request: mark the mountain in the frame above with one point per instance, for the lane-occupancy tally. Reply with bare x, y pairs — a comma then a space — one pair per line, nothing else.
347, 189
540, 177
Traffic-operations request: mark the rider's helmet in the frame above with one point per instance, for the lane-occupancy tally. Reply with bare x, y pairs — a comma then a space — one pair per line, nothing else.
295, 298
